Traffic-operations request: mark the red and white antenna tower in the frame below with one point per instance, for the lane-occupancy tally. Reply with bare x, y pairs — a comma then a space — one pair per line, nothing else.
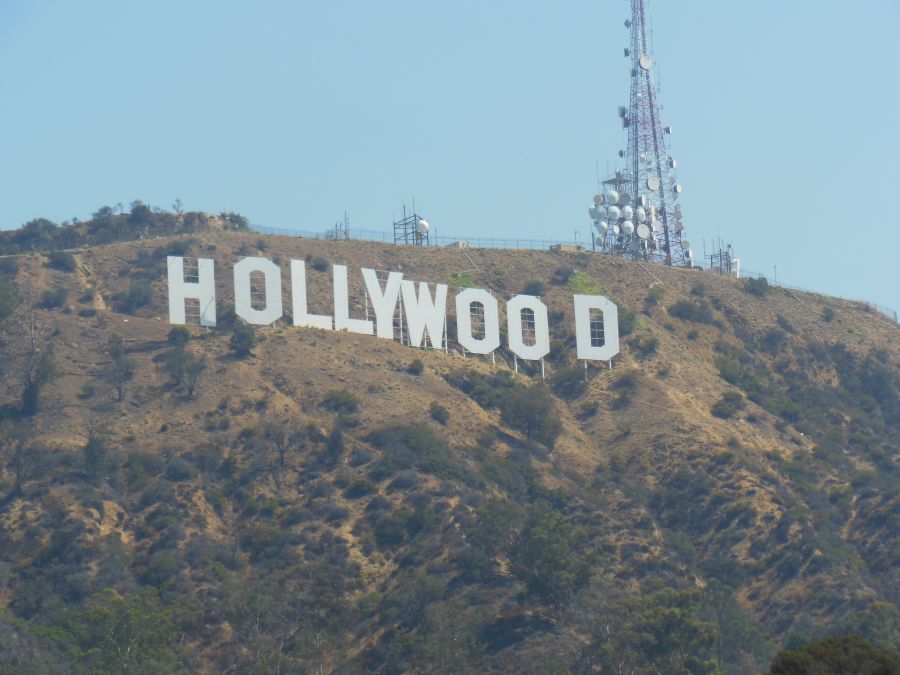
637, 213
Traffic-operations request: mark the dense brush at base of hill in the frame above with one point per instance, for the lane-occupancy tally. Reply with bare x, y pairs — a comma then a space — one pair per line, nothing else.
294, 500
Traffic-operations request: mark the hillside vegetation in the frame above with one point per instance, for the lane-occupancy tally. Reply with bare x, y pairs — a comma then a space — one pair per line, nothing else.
283, 499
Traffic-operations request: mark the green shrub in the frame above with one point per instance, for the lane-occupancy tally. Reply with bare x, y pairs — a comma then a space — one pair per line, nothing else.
583, 284
179, 336
61, 260
827, 314
319, 264
835, 656
9, 297
341, 401
138, 295
758, 287
729, 405
243, 340
439, 413
359, 488
414, 445
569, 382
654, 295
533, 412
697, 312
486, 390
236, 220
535, 287
55, 298
415, 367
645, 344
627, 322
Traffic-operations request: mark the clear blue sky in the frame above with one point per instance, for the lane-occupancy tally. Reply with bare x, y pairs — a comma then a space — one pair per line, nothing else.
491, 114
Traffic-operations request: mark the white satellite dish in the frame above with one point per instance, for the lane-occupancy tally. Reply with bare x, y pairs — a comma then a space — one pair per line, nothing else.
679, 226
613, 213
677, 214
643, 231
641, 214
685, 244
653, 183
612, 197
624, 199
673, 163
656, 226
645, 62
598, 199
615, 229
422, 226
628, 213
678, 188
597, 212
628, 227
603, 226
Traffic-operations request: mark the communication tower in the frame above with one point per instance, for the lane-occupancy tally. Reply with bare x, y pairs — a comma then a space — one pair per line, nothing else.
637, 213
411, 229
723, 262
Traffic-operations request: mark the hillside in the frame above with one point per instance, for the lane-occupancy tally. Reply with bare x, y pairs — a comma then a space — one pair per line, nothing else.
332, 502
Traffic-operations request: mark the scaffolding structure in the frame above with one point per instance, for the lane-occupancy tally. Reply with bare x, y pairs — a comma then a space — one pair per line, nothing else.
411, 229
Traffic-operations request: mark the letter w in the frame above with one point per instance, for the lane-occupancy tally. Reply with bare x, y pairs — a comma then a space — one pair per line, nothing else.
423, 313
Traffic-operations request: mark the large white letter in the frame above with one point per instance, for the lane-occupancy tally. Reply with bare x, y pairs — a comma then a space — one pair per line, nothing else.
342, 320
243, 306
424, 313
491, 339
384, 303
541, 346
298, 296
594, 345
204, 290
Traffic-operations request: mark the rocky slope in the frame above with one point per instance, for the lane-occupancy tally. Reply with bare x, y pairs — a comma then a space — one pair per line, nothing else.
338, 503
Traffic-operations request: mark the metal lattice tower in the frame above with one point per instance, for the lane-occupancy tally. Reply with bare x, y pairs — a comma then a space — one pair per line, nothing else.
637, 214
411, 229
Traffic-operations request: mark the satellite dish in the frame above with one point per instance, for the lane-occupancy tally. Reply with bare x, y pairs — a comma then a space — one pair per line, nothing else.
643, 231
679, 226
603, 226
673, 163
598, 199
612, 197
624, 199
613, 213
641, 214
685, 244
645, 62
653, 183
689, 254
615, 229
656, 226
628, 213
628, 227
678, 188
422, 226
597, 212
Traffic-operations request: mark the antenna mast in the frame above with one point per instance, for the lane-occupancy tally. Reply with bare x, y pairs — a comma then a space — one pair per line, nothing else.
637, 214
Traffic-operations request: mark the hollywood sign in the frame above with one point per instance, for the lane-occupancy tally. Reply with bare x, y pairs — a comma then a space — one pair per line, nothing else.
422, 313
